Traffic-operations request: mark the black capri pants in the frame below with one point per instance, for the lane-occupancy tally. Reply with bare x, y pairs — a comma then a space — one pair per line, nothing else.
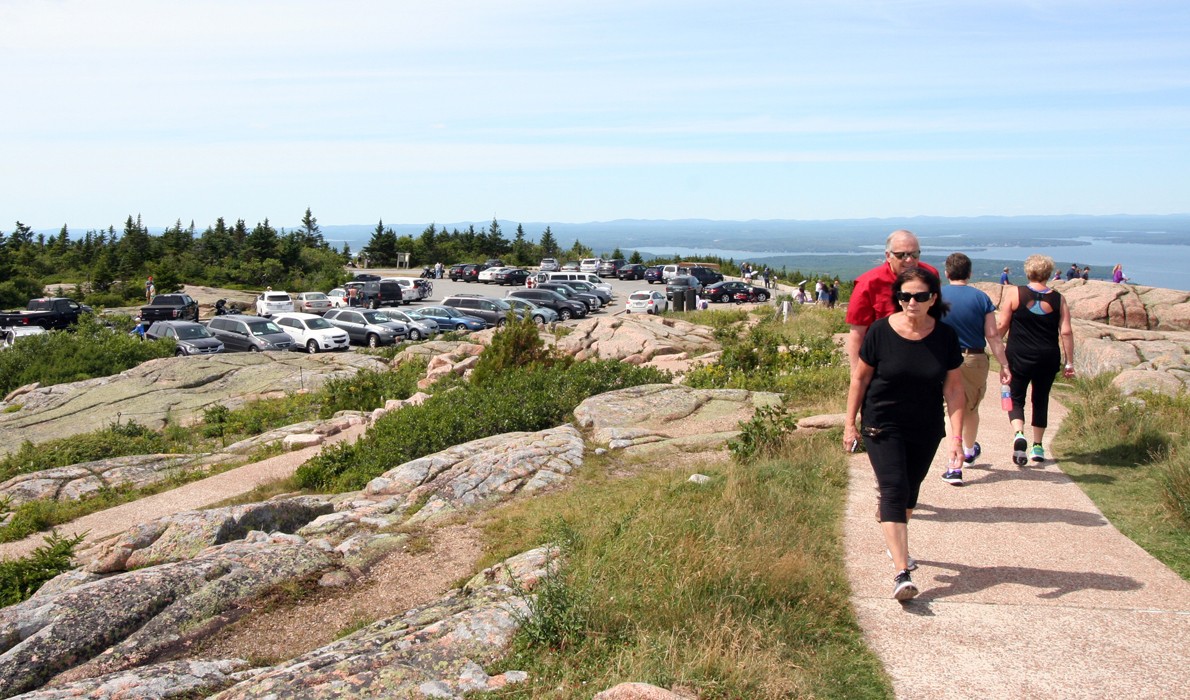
1041, 373
900, 462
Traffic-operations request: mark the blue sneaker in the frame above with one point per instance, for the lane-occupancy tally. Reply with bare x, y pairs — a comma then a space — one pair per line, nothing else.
976, 450
1020, 447
1037, 453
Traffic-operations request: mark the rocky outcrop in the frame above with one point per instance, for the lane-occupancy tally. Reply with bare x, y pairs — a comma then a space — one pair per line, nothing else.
88, 478
479, 470
1122, 305
638, 691
173, 388
126, 620
434, 651
669, 419
173, 679
1156, 361
184, 535
638, 339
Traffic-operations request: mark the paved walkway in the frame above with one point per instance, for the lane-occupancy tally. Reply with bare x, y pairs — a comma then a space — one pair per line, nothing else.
195, 495
1027, 591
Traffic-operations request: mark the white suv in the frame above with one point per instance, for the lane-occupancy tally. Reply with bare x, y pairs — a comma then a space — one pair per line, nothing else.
589, 265
313, 332
271, 303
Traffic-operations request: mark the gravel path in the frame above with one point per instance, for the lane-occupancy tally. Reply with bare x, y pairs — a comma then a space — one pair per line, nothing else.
1026, 589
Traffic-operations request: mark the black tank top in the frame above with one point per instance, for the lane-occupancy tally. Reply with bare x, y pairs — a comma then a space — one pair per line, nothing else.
1034, 334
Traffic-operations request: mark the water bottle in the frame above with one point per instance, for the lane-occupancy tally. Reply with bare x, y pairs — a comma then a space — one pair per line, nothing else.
1005, 397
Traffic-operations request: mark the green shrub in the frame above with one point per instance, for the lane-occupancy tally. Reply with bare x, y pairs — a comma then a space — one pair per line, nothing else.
116, 440
763, 435
517, 344
369, 389
20, 578
520, 399
1175, 486
89, 350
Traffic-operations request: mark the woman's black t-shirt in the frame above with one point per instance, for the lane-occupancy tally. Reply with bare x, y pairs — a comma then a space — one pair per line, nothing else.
906, 388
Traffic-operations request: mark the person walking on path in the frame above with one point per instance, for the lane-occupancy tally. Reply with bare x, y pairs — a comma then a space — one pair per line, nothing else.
907, 364
973, 317
1036, 320
871, 297
1004, 277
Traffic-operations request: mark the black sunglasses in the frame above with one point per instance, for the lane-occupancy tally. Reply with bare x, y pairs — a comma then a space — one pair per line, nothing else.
906, 255
919, 297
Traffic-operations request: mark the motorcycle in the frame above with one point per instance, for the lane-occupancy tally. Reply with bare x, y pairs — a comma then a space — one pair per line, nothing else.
221, 308
427, 273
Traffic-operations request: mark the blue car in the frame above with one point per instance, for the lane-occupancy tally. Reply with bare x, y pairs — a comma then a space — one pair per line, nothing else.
448, 318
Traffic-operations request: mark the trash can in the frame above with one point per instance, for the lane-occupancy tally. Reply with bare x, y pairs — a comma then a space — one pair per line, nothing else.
690, 306
679, 301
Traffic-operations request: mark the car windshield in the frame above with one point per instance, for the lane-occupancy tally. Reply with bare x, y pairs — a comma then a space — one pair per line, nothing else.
376, 317
263, 328
192, 332
397, 315
318, 324
314, 296
276, 297
641, 296
446, 311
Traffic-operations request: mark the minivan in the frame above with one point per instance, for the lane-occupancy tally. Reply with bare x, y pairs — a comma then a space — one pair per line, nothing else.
571, 276
249, 333
589, 265
494, 312
378, 293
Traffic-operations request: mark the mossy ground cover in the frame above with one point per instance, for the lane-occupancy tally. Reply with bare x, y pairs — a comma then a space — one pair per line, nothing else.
1132, 457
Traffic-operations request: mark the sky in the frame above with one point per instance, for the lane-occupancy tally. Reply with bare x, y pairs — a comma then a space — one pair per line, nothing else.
578, 111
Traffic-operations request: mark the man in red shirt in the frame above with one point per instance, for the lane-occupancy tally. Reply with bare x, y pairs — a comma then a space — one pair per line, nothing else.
872, 297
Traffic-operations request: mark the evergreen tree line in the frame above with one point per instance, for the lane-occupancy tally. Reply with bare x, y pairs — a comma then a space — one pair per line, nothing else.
436, 245
109, 267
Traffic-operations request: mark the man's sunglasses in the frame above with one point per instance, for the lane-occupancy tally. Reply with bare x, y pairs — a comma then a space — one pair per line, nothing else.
907, 255
920, 297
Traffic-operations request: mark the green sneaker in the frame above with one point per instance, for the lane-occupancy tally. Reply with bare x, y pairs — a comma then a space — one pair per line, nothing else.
1037, 453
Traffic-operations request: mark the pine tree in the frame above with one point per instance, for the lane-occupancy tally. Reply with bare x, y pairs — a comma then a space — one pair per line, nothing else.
549, 245
310, 234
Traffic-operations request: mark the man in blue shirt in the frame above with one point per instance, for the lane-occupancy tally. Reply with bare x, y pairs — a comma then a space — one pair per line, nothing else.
1004, 277
973, 316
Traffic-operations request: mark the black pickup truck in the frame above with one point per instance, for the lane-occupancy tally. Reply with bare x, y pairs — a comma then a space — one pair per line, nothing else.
50, 313
170, 307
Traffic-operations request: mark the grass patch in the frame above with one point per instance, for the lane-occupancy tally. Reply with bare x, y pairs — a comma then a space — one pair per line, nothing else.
735, 588
20, 578
1132, 458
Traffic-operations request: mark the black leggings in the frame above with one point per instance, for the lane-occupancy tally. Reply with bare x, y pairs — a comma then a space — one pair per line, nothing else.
900, 464
1040, 372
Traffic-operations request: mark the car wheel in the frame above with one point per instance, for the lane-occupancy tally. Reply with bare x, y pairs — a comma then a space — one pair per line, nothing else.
312, 347
500, 323
724, 298
253, 349
373, 340
414, 334
539, 319
179, 352
461, 327
762, 297
564, 314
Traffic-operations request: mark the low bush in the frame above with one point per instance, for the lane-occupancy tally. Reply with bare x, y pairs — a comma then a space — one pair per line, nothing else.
20, 578
89, 350
369, 389
116, 440
520, 399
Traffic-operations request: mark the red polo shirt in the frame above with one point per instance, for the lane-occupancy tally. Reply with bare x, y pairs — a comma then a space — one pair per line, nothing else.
872, 297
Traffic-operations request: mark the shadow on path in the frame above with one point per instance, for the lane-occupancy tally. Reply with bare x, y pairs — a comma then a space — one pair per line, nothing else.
1003, 514
1055, 584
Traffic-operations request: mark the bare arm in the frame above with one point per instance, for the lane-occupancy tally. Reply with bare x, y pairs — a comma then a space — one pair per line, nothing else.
1066, 338
956, 409
861, 376
855, 338
991, 333
1007, 306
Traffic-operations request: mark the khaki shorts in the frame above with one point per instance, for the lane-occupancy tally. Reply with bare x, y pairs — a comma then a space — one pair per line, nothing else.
975, 379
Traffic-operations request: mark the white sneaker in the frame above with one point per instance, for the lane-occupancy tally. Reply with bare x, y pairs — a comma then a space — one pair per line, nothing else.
912, 562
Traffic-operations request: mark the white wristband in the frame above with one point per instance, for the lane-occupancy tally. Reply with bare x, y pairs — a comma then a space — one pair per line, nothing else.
1069, 366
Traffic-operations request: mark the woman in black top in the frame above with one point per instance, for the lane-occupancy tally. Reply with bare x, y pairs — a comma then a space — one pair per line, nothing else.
907, 364
1036, 319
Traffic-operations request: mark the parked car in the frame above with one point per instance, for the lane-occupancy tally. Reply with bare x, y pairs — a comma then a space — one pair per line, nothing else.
249, 333
456, 272
367, 326
549, 265
582, 287
313, 332
487, 275
524, 307
269, 303
419, 328
723, 292
656, 273
634, 271
705, 275
570, 266
679, 285
471, 272
569, 276
190, 338
365, 277
377, 293
411, 289
671, 270
511, 276
646, 301
494, 312
494, 262
589, 265
48, 312
610, 268
592, 301
566, 308
337, 297
449, 318
311, 303
10, 336
170, 307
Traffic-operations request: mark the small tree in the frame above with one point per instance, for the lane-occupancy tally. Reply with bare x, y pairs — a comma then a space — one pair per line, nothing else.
517, 344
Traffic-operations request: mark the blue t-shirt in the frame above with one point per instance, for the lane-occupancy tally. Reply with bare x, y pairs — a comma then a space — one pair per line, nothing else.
968, 307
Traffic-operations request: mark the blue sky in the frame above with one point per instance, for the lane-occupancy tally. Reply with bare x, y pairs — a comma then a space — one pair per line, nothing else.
589, 111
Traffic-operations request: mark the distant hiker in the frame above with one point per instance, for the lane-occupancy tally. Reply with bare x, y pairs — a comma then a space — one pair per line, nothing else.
1072, 273
833, 294
1004, 277
1117, 274
1086, 273
150, 289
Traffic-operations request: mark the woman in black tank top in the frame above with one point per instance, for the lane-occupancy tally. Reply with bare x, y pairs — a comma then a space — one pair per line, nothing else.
1037, 321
